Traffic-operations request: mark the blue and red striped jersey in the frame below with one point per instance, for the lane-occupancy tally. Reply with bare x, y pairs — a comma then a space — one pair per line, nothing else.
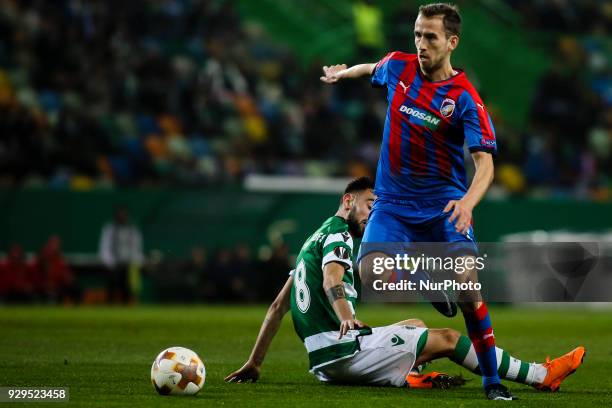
427, 124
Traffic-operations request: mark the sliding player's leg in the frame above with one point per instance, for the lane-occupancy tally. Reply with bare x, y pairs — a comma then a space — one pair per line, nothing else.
411, 322
418, 378
458, 348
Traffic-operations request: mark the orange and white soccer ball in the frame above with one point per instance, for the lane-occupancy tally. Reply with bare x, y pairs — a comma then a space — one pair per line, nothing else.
178, 370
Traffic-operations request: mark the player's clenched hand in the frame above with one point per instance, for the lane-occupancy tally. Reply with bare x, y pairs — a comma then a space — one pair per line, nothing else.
462, 215
248, 373
349, 324
333, 73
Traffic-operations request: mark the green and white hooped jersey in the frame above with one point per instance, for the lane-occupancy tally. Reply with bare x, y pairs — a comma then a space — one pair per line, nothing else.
314, 318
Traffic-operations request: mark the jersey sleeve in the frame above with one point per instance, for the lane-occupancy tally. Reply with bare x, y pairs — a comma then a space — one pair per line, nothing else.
477, 125
380, 76
338, 247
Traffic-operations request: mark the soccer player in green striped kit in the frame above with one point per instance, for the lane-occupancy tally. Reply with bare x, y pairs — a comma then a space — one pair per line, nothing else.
321, 295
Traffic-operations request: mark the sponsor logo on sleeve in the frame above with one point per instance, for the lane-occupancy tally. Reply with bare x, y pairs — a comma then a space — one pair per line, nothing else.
341, 252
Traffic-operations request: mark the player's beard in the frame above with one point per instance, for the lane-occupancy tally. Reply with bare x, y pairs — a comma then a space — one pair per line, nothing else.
431, 67
354, 226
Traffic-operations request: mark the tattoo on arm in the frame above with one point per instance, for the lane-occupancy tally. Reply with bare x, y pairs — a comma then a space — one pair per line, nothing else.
336, 292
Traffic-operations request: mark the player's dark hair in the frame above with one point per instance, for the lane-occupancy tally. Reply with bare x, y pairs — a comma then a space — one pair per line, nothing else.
359, 184
450, 14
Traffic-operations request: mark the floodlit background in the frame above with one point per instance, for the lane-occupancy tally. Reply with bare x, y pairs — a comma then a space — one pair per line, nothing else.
173, 155
202, 129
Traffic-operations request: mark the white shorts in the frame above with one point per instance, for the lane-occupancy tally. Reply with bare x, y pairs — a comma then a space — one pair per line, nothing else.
385, 358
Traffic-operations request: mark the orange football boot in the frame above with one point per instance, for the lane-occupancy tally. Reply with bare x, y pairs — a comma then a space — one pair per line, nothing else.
433, 380
560, 368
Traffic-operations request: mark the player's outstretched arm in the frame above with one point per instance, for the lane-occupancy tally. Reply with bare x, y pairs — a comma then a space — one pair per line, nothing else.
334, 289
334, 73
274, 317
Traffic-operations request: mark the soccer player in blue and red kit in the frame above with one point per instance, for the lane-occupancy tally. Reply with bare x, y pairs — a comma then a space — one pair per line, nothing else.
421, 181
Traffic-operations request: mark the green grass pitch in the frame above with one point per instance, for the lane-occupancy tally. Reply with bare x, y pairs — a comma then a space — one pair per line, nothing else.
104, 356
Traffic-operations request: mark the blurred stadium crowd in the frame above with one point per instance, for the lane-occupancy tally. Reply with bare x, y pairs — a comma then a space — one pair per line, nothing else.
97, 94
230, 274
141, 93
569, 139
46, 276
123, 277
